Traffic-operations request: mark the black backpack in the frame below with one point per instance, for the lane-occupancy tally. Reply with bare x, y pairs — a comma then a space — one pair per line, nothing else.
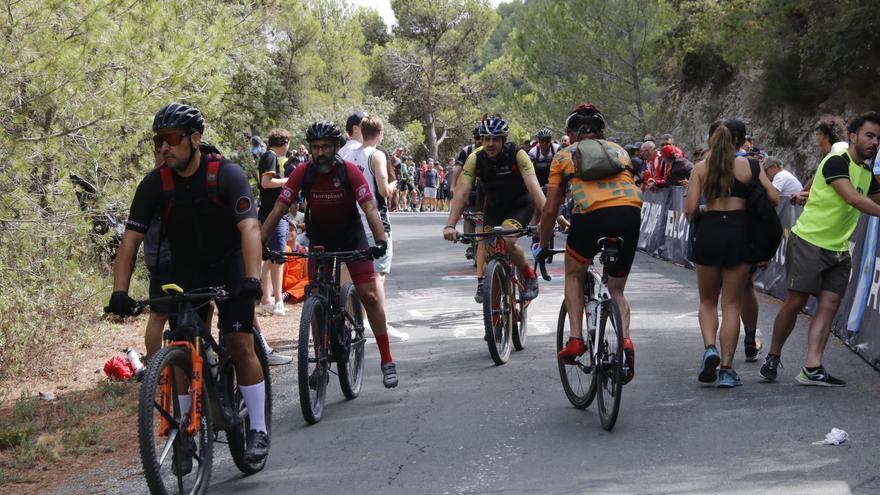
766, 229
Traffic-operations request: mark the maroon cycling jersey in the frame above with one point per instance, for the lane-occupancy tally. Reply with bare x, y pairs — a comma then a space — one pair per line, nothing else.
332, 204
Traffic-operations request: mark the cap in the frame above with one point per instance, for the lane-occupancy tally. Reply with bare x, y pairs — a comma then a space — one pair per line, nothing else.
353, 120
667, 151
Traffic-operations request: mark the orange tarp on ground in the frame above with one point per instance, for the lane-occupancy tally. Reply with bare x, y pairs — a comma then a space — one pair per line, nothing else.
296, 275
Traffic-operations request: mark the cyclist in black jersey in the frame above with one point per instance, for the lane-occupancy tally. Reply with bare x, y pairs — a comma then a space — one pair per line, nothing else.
208, 216
512, 193
475, 198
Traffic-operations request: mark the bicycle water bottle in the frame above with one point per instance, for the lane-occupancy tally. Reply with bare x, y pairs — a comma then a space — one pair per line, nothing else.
135, 360
590, 308
212, 359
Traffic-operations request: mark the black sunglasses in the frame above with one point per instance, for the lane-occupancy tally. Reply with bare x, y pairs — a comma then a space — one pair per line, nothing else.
172, 139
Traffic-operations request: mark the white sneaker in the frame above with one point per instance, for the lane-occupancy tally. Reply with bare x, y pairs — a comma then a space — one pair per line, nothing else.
275, 358
397, 334
278, 310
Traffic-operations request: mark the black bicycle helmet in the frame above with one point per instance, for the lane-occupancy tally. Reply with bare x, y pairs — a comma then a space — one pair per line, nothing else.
585, 118
544, 133
179, 116
494, 126
477, 131
323, 130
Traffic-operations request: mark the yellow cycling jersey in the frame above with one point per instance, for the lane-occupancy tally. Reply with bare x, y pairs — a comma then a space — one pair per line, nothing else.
592, 195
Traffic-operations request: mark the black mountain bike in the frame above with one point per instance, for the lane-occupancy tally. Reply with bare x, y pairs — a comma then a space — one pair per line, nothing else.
599, 370
505, 310
331, 330
474, 218
176, 446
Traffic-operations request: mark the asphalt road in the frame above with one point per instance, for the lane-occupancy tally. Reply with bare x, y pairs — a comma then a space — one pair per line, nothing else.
458, 424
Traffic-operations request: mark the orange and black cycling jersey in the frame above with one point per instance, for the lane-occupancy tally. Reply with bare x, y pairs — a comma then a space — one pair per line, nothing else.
592, 195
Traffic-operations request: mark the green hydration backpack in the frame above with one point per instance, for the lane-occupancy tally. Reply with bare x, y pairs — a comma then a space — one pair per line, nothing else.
596, 159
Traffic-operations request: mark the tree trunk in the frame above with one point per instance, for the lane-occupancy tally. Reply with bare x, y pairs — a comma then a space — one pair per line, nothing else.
430, 135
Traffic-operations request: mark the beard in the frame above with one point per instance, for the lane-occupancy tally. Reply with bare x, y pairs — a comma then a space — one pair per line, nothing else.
179, 164
866, 152
323, 164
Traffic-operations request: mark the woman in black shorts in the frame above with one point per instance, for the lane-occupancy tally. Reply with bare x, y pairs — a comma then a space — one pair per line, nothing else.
723, 247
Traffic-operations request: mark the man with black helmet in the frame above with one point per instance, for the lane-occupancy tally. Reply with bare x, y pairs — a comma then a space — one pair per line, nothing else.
542, 154
332, 188
512, 193
608, 207
208, 216
475, 200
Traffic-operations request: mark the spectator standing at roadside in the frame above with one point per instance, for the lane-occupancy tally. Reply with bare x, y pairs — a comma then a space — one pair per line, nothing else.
431, 183
355, 137
784, 181
637, 162
301, 155
655, 170
374, 164
830, 132
722, 249
668, 140
817, 255
271, 170
677, 167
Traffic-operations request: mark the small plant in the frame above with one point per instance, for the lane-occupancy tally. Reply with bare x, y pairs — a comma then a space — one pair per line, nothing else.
26, 407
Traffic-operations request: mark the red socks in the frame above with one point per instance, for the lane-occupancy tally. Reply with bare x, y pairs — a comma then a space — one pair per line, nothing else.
384, 348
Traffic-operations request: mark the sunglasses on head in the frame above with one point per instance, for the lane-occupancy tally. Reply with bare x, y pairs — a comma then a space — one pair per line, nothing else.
172, 139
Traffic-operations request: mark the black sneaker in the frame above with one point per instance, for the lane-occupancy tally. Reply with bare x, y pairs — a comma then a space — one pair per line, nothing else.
186, 464
389, 375
531, 288
257, 446
478, 296
752, 346
769, 368
819, 378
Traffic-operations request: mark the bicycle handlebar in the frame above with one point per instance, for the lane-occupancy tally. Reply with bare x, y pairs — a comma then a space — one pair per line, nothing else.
194, 296
467, 238
341, 255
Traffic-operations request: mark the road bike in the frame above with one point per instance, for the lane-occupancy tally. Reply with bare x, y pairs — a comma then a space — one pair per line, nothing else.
191, 362
331, 330
505, 309
599, 372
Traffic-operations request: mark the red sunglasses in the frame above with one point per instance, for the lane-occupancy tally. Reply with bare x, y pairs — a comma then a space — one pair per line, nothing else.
171, 139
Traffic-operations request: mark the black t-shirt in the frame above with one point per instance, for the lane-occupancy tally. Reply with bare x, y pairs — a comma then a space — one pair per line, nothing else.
837, 167
268, 166
463, 154
201, 233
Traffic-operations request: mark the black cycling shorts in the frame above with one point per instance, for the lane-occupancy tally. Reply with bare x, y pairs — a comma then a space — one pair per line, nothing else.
617, 221
520, 214
236, 314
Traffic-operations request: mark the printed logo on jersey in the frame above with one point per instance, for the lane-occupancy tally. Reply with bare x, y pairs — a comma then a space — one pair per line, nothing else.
362, 192
243, 205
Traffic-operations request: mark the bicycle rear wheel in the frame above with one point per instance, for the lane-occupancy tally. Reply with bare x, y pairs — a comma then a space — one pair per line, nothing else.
520, 314
236, 436
610, 364
579, 378
173, 461
351, 371
497, 312
313, 365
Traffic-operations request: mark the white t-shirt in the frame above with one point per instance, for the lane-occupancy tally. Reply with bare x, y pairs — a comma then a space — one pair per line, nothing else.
786, 183
350, 147
839, 146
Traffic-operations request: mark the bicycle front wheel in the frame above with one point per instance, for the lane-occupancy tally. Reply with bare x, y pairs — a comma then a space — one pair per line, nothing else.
236, 436
578, 377
520, 314
313, 365
351, 368
173, 461
497, 312
610, 364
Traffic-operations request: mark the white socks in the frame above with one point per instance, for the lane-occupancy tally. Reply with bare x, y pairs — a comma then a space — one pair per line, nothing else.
255, 399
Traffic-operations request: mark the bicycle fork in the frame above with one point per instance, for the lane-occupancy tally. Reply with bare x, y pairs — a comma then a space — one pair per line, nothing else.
195, 384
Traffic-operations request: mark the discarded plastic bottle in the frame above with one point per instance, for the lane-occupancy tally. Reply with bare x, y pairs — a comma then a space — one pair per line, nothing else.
135, 359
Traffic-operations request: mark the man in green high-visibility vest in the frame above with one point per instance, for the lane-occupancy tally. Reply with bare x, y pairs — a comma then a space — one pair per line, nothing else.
817, 256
